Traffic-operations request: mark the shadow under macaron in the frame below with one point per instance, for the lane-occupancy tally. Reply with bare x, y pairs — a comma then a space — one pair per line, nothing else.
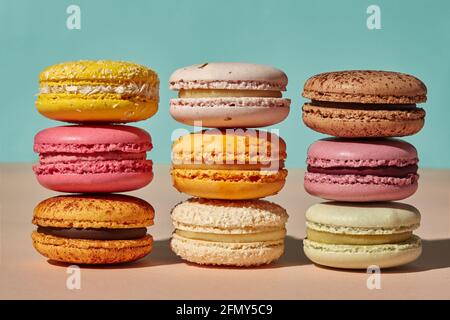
435, 255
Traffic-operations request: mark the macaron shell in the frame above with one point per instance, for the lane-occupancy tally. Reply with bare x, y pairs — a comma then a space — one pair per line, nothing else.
228, 75
98, 70
84, 109
223, 116
93, 135
335, 152
96, 183
363, 256
94, 211
242, 146
349, 123
365, 86
227, 254
374, 218
228, 217
204, 183
358, 192
81, 251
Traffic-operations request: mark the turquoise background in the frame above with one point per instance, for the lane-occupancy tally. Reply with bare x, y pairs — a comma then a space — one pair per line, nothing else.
300, 37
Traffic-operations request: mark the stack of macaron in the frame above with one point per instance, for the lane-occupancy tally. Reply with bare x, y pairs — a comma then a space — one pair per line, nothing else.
229, 167
362, 168
94, 156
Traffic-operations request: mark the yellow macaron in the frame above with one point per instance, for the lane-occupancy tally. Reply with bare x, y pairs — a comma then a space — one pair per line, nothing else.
98, 91
232, 164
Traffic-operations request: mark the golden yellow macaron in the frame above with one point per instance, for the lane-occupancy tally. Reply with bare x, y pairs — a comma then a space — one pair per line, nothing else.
98, 91
231, 164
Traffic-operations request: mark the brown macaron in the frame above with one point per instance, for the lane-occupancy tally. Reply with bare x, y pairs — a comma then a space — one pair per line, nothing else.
364, 103
93, 229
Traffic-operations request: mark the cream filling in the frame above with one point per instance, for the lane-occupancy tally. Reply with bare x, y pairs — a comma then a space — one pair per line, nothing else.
352, 239
138, 89
222, 93
234, 238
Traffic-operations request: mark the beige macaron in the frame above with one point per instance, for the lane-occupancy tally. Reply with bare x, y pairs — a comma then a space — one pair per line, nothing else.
229, 233
359, 235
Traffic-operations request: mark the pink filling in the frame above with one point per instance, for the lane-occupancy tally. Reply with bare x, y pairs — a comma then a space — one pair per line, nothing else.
328, 163
356, 179
47, 158
92, 148
89, 167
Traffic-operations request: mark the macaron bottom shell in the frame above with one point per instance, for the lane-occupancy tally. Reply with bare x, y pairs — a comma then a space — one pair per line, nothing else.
96, 182
363, 256
227, 254
359, 192
209, 188
82, 251
347, 123
77, 109
228, 116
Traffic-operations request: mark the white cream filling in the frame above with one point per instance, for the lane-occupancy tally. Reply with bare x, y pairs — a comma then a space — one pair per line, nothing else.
138, 89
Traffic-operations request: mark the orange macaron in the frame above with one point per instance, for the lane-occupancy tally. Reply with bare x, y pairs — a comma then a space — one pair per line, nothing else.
229, 164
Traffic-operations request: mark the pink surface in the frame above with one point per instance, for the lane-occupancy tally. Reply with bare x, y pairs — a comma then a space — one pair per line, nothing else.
338, 152
98, 183
229, 75
114, 135
222, 116
360, 188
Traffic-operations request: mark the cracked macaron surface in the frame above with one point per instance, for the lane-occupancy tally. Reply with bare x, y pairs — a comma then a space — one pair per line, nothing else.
93, 158
229, 94
230, 165
358, 235
230, 233
361, 170
364, 103
93, 229
98, 91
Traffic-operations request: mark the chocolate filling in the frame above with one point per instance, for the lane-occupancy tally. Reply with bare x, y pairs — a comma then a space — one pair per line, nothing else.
383, 171
362, 106
94, 234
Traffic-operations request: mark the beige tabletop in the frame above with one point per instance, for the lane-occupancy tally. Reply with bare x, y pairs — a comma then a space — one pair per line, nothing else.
24, 274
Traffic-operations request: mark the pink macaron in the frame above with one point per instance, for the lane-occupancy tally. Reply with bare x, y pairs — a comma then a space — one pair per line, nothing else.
361, 170
229, 94
94, 158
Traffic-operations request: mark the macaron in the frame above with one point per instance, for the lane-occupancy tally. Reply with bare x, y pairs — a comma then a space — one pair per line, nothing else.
361, 170
93, 158
98, 91
228, 233
93, 229
229, 94
364, 103
229, 164
356, 236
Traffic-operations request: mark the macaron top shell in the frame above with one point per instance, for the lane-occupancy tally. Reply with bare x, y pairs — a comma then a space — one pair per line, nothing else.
105, 137
220, 146
228, 217
94, 211
229, 75
338, 152
365, 86
98, 70
363, 218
